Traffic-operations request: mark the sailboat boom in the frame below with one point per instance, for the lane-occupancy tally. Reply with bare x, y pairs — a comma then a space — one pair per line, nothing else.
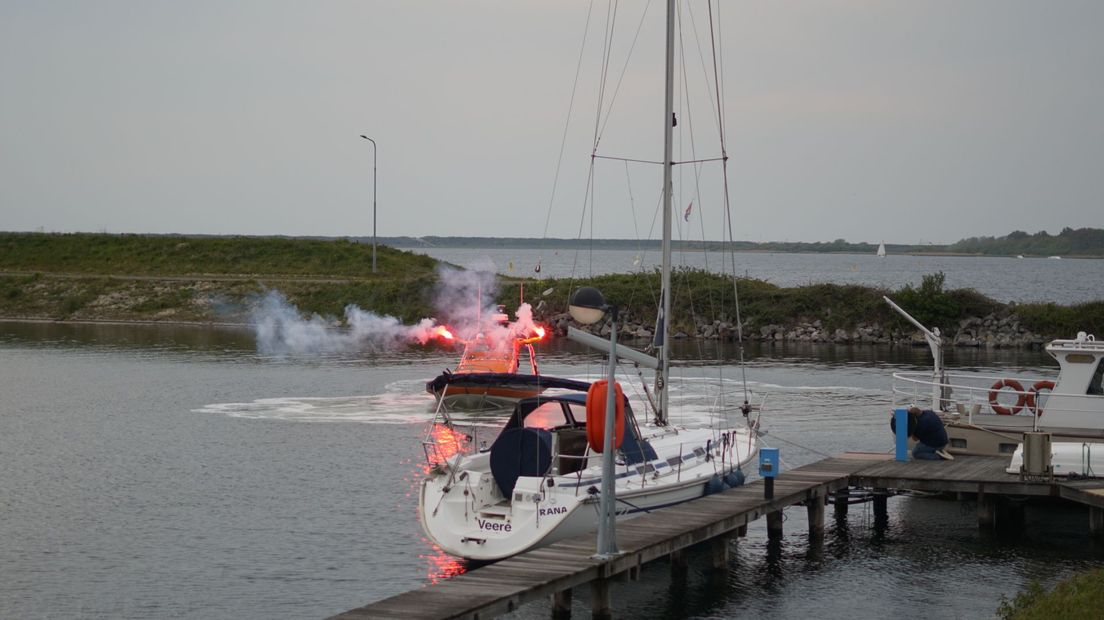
601, 344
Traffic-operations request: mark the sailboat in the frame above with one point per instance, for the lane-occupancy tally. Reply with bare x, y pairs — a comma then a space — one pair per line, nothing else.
538, 481
488, 375
881, 250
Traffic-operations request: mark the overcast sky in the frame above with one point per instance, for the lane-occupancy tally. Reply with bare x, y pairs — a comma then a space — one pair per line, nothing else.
898, 121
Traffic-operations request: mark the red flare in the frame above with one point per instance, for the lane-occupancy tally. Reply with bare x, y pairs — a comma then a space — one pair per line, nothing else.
443, 332
538, 335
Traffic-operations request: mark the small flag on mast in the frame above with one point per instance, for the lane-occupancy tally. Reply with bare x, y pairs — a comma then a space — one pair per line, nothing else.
689, 208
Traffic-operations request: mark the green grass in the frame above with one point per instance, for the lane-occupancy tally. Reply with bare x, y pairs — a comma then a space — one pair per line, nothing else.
1079, 598
1066, 320
171, 255
701, 297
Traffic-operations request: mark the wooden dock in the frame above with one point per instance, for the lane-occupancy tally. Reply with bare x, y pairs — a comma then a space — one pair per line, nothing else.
554, 570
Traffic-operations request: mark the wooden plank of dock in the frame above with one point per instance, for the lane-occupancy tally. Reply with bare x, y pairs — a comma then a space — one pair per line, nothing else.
503, 586
974, 474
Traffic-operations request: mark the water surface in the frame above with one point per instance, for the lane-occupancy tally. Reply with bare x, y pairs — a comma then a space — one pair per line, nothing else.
1064, 281
155, 472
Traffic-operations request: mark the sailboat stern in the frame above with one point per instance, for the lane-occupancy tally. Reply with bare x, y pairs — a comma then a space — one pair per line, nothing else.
473, 520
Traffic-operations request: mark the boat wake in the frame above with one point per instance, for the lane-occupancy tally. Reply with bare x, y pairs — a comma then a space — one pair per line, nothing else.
372, 409
400, 403
695, 402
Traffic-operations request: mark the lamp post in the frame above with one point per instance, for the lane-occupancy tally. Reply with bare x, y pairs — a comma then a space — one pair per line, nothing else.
587, 306
373, 200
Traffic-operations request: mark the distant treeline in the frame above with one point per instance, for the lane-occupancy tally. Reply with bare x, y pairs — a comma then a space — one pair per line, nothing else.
839, 245
1085, 242
75, 250
1069, 242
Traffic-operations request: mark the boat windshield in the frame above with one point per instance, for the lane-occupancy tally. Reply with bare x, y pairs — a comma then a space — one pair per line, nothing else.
1096, 386
547, 416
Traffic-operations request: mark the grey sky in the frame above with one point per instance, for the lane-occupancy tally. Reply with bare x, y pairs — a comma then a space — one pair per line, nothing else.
895, 121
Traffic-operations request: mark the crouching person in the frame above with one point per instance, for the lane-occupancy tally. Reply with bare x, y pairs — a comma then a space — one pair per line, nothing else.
927, 430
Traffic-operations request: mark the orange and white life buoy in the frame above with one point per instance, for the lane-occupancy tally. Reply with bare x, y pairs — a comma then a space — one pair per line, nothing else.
596, 415
1033, 394
1021, 397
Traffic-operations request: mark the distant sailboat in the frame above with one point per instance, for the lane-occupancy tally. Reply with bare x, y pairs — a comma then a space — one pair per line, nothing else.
881, 250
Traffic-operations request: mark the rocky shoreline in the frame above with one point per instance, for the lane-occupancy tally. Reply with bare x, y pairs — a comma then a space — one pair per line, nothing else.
990, 332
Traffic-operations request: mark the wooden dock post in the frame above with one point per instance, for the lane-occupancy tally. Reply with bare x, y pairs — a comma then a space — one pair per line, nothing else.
1096, 521
815, 508
679, 565
986, 511
774, 524
881, 504
561, 604
839, 502
1010, 516
721, 552
600, 606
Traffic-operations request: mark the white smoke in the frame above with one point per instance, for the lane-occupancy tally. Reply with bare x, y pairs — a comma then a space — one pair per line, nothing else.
464, 300
282, 330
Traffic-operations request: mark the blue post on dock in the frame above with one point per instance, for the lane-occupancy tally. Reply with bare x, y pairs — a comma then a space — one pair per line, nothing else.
769, 462
901, 423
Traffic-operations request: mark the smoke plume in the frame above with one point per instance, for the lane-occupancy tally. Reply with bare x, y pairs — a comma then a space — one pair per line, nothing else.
463, 301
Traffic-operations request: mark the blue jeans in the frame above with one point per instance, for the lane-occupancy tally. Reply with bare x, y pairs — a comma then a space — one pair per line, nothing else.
924, 452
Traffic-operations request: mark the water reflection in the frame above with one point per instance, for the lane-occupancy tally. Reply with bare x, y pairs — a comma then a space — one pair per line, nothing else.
237, 339
441, 565
237, 342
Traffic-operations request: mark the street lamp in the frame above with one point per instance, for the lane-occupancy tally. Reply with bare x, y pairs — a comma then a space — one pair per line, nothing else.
373, 200
587, 305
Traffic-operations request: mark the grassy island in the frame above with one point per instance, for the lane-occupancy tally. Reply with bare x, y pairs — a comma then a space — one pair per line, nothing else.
213, 279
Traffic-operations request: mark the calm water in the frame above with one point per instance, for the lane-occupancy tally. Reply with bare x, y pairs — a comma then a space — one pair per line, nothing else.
1064, 281
155, 472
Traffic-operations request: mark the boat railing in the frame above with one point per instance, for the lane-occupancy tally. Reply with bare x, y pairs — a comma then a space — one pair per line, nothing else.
588, 459
442, 453
1083, 342
970, 394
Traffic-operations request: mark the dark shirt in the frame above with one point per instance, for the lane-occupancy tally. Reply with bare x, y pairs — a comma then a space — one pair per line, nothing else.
927, 428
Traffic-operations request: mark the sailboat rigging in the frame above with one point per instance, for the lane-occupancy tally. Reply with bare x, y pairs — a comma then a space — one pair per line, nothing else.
537, 482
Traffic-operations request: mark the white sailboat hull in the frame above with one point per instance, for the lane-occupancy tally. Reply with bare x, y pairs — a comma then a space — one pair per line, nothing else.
467, 516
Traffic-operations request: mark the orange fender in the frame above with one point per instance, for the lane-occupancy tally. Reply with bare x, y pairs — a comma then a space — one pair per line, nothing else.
596, 415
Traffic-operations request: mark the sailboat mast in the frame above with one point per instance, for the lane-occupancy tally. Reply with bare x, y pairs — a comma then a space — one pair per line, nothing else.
663, 332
